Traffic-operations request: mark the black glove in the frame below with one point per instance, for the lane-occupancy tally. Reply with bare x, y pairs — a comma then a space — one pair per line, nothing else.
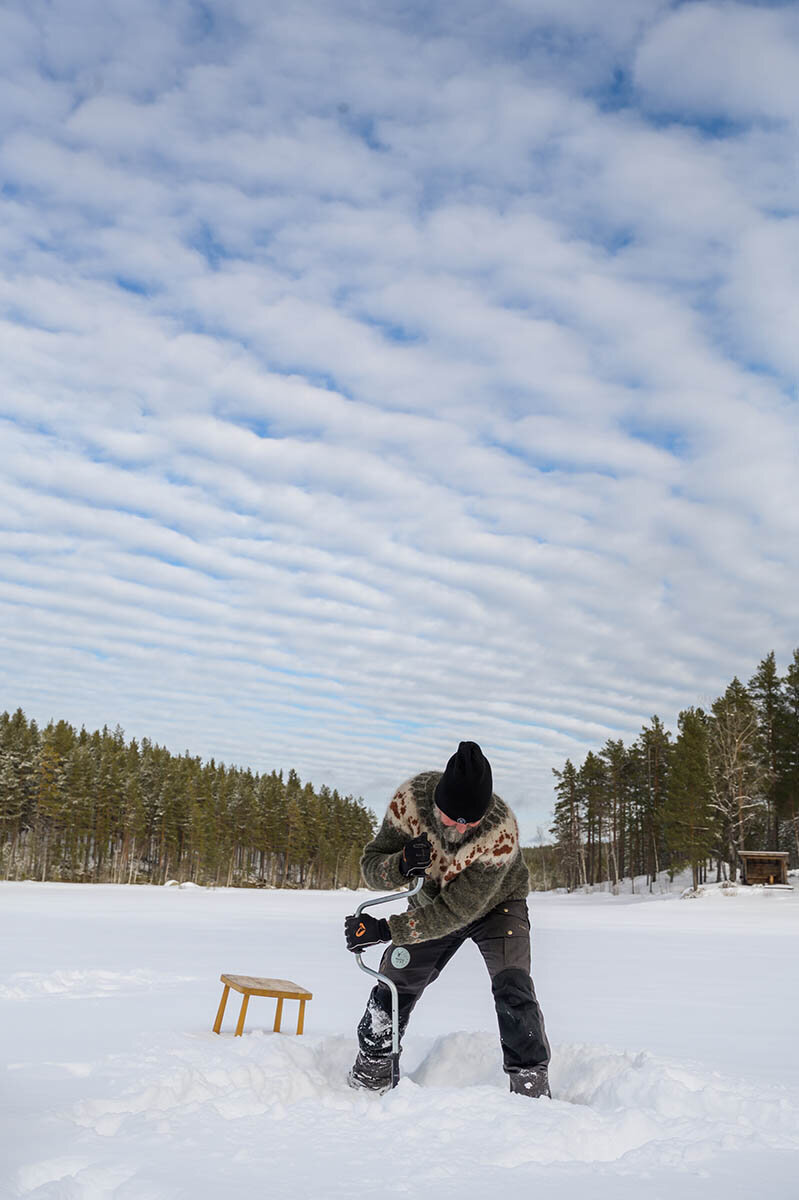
416, 856
364, 931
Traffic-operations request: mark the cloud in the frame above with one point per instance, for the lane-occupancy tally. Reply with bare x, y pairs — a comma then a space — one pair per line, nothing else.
750, 74
376, 379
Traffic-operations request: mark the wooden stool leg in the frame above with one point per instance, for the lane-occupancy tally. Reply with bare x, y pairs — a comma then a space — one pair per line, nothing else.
278, 1014
240, 1027
221, 1010
301, 1017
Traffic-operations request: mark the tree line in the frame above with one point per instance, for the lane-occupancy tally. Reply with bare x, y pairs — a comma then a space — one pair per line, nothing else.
728, 781
93, 807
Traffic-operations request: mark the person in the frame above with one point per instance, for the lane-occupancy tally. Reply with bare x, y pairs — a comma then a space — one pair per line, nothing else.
453, 828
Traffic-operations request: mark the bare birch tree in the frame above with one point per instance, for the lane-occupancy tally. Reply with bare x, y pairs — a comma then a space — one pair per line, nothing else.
738, 777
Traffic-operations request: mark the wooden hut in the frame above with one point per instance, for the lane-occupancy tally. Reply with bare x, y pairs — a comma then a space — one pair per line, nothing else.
764, 866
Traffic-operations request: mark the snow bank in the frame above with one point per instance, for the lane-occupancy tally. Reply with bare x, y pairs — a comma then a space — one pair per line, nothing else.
730, 891
607, 1106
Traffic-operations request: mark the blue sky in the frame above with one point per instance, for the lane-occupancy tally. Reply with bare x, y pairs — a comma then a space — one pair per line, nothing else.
374, 376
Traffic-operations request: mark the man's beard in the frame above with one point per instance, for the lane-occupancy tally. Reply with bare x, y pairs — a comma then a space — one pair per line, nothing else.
449, 834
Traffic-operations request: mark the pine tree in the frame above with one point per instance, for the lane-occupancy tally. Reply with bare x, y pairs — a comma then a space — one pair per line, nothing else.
616, 761
789, 783
567, 825
770, 702
594, 795
688, 816
50, 802
647, 773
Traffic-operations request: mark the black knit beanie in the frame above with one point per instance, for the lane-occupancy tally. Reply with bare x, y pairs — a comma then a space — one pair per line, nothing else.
464, 790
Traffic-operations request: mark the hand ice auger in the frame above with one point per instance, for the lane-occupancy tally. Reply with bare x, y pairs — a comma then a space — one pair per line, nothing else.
402, 959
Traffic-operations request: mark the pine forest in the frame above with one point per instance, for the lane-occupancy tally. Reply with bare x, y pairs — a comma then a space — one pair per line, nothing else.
728, 781
91, 807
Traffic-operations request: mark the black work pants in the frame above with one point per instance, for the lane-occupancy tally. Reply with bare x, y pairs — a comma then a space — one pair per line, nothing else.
503, 938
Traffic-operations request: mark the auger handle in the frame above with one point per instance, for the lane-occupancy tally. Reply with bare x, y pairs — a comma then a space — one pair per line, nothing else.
416, 886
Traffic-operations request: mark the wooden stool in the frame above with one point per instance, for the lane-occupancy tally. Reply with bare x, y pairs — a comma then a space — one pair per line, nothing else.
282, 989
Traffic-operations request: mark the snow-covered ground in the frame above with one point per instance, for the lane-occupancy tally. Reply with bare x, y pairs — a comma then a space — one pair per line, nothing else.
675, 1064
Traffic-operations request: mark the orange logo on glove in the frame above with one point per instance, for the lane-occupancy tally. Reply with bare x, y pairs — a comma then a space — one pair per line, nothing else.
361, 930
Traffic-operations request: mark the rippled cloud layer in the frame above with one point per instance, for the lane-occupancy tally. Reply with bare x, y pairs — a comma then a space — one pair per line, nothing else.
380, 375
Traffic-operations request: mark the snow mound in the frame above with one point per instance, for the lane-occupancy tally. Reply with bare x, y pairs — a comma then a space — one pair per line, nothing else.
608, 1105
726, 891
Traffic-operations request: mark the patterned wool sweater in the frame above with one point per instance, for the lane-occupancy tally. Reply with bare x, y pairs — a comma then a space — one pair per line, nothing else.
463, 882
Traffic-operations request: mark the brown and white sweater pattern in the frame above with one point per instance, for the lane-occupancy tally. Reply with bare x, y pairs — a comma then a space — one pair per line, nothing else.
464, 881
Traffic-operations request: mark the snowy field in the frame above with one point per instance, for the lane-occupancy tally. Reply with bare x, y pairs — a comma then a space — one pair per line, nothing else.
675, 1065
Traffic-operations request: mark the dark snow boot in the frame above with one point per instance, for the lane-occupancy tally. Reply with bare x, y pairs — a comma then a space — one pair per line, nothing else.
371, 1073
530, 1081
